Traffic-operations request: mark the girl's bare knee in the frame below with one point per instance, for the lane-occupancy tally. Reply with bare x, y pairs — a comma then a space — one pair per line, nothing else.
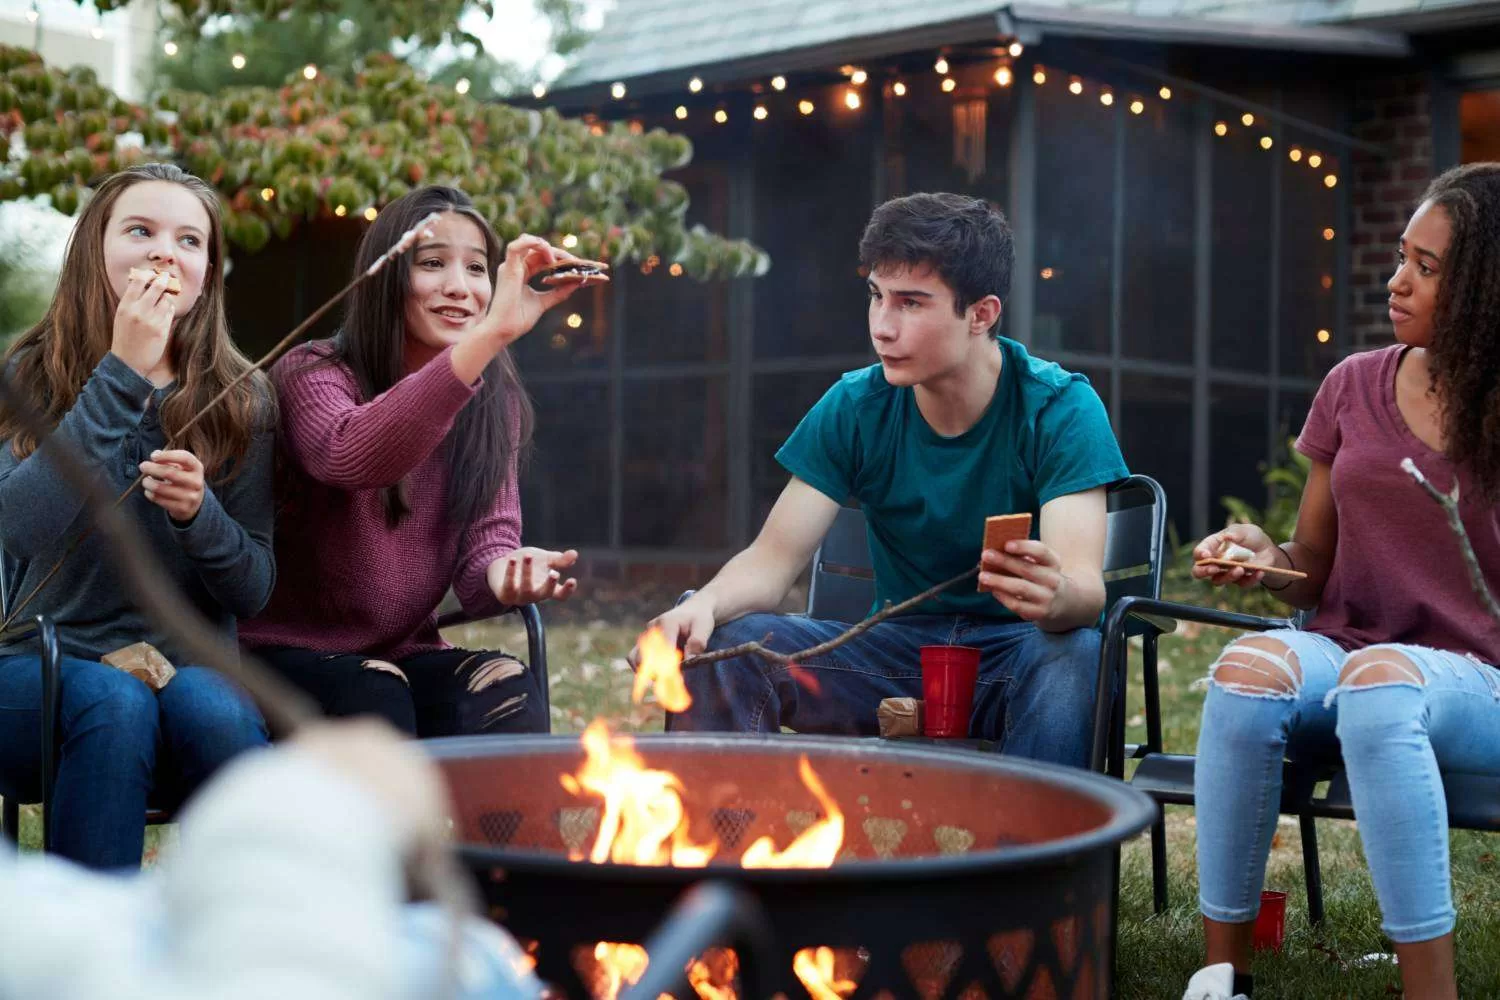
1258, 665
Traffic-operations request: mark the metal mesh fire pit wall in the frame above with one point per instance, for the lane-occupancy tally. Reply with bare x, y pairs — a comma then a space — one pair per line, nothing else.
962, 874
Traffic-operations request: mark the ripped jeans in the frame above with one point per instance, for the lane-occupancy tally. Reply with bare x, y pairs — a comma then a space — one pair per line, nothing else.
442, 692
1398, 715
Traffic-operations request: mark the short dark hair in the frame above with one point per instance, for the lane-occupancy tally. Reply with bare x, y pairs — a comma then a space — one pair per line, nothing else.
965, 240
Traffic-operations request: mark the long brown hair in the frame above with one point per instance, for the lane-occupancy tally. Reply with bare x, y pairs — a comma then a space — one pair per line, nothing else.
494, 428
55, 358
1464, 357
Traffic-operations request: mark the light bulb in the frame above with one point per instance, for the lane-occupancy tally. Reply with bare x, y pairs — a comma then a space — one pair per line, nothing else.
237, 60
539, 90
695, 85
1165, 93
310, 71
851, 100
1015, 50
941, 66
1003, 76
805, 106
898, 88
170, 48
760, 112
681, 112
778, 83
617, 90
462, 86
858, 77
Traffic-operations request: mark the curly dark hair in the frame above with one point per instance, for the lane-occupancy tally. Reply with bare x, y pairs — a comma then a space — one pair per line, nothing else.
1464, 356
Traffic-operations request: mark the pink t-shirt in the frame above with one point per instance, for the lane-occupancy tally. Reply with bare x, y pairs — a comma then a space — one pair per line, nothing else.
1397, 572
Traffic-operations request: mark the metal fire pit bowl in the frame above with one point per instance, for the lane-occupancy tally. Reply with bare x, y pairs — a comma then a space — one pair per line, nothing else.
962, 874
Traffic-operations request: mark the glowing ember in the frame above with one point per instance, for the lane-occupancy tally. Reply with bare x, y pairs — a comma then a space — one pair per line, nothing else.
816, 847
644, 822
712, 976
660, 669
617, 965
814, 967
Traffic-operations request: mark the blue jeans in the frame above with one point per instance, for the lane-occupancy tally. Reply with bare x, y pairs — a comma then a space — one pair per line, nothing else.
1395, 739
119, 740
1035, 693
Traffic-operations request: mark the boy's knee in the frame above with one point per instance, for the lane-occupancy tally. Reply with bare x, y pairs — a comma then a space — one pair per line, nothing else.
114, 697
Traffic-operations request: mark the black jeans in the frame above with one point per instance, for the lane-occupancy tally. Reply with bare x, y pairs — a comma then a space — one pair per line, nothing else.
445, 692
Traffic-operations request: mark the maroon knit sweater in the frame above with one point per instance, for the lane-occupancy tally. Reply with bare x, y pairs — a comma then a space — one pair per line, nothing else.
346, 582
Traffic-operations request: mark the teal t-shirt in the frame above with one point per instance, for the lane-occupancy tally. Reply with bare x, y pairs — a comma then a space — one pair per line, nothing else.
1045, 434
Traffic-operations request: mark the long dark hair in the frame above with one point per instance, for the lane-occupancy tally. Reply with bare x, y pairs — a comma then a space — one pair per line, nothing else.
1464, 356
494, 428
55, 358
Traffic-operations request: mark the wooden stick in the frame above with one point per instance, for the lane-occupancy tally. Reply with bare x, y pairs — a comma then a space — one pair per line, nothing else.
1449, 503
401, 246
785, 659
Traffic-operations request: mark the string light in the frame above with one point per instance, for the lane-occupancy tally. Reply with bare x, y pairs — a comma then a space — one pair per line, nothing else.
170, 48
1330, 181
949, 84
805, 106
1003, 76
778, 83
1328, 233
1248, 119
1075, 86
1324, 336
341, 211
1327, 282
1315, 161
1039, 76
1266, 142
1137, 106
310, 72
941, 66
694, 85
1046, 274
721, 116
569, 241
539, 90
371, 213
898, 88
1165, 93
681, 112
1294, 154
675, 270
858, 77
575, 320
1106, 97
267, 193
760, 112
1015, 50
462, 86
237, 60
1221, 128
617, 90
851, 100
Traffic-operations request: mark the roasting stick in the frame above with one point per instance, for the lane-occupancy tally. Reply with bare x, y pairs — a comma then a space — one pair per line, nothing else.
405, 243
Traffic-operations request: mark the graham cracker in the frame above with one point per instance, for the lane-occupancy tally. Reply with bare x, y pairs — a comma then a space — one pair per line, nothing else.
1004, 528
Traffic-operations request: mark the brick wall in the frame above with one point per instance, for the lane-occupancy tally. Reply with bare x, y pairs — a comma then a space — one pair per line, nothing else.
1396, 113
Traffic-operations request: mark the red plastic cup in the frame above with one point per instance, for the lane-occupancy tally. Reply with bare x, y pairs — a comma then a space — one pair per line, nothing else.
948, 676
1270, 922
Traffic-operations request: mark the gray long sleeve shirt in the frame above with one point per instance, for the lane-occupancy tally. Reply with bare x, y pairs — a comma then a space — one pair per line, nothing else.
221, 559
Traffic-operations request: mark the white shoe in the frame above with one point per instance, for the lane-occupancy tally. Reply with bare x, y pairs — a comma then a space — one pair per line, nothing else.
1213, 983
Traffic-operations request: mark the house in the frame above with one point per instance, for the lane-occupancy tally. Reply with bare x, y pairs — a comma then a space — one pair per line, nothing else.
1207, 197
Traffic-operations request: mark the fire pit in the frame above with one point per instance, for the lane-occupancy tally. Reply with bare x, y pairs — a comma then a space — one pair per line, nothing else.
959, 874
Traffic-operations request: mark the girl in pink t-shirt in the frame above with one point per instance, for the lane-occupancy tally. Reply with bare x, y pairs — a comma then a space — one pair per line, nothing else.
1397, 670
400, 440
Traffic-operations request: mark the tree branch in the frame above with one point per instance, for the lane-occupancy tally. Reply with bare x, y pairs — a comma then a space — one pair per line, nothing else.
1449, 503
785, 659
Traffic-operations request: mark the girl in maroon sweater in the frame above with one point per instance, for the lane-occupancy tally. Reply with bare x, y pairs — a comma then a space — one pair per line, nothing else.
400, 447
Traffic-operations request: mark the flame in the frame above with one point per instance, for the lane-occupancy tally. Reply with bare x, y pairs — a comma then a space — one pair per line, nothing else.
617, 965
815, 847
644, 822
712, 976
814, 967
660, 669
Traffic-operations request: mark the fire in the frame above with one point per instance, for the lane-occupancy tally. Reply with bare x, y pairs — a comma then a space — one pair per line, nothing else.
644, 822
617, 965
814, 967
815, 847
712, 976
660, 669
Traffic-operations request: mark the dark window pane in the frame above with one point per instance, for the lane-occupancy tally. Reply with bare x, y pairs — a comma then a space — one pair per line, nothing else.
813, 178
573, 336
676, 477
673, 317
778, 403
1075, 208
565, 490
1306, 334
957, 141
1237, 455
1157, 299
1156, 435
1291, 414
1241, 245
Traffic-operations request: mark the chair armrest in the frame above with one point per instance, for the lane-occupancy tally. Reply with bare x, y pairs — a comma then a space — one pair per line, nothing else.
1157, 613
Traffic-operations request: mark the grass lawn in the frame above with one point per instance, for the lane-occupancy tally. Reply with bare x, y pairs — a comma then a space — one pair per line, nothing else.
586, 649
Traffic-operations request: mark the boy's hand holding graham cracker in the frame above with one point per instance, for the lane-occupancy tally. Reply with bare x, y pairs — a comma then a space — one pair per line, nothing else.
1004, 528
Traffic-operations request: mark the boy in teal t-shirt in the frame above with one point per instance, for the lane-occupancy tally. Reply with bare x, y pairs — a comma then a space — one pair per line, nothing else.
954, 424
